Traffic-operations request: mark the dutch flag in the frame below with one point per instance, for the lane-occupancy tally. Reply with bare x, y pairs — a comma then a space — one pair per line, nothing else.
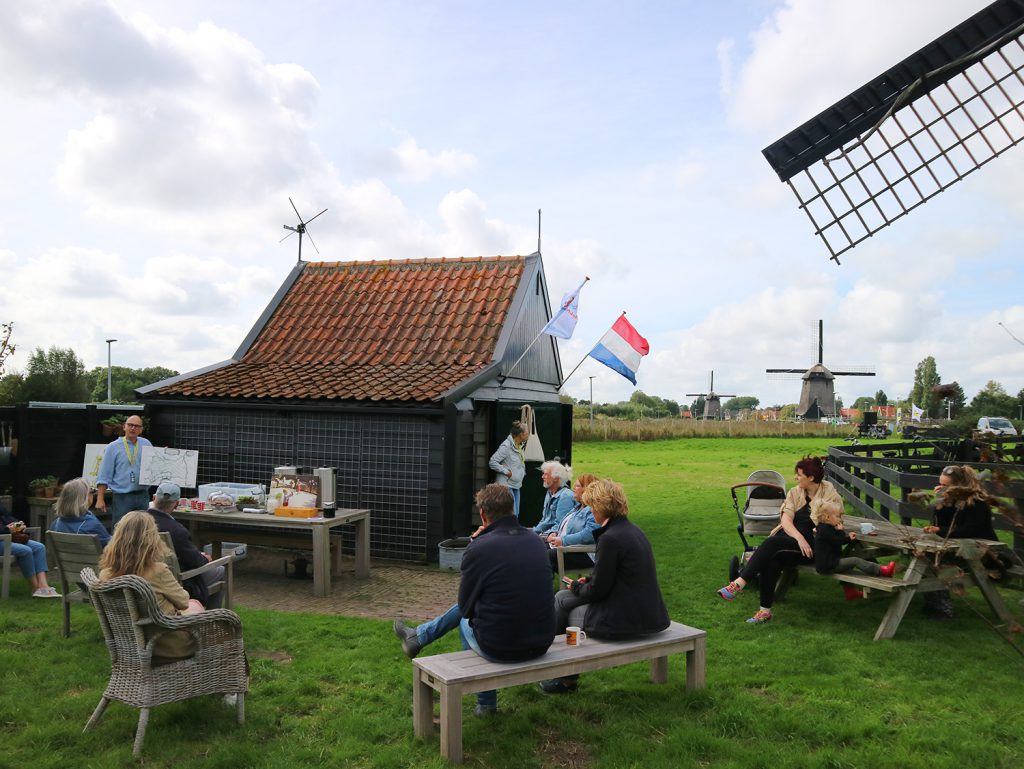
621, 348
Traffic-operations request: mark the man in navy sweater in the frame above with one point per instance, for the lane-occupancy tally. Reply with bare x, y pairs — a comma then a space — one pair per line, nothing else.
506, 607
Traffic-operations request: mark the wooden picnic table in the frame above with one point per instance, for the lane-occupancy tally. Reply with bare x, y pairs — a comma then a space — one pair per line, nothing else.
922, 574
218, 527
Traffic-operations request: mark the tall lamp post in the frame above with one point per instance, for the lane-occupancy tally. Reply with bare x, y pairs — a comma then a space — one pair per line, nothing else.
591, 402
109, 342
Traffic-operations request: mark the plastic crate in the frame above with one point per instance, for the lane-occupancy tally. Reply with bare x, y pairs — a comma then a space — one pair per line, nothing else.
236, 490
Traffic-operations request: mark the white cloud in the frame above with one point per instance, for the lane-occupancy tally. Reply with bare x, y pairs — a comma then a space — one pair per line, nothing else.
810, 53
724, 51
416, 163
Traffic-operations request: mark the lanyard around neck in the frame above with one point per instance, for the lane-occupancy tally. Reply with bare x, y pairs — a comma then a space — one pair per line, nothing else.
130, 454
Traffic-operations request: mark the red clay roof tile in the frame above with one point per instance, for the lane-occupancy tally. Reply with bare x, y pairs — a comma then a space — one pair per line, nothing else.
404, 330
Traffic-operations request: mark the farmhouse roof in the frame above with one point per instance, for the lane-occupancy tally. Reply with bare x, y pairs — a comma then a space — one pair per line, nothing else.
405, 331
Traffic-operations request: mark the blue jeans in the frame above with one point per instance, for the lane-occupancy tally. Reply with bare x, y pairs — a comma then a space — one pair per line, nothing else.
125, 503
31, 557
515, 501
433, 629
489, 699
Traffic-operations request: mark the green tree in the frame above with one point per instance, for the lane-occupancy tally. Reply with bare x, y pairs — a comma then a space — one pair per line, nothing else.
6, 348
55, 375
959, 400
741, 402
993, 401
12, 388
123, 381
926, 376
863, 403
788, 411
697, 409
881, 399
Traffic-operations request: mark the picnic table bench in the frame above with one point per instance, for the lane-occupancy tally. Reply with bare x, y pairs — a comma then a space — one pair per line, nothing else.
921, 576
457, 674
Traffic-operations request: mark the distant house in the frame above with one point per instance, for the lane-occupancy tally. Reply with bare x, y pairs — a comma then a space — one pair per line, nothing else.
850, 414
390, 371
885, 412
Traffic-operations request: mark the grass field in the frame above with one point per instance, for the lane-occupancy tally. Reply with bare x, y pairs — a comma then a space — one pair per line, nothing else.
808, 690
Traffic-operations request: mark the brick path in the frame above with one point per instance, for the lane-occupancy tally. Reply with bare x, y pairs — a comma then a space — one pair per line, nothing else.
394, 589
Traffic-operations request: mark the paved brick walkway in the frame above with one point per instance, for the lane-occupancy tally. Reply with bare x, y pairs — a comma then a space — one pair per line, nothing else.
394, 589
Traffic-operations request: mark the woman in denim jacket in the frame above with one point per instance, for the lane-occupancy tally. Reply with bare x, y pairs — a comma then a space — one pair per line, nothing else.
577, 528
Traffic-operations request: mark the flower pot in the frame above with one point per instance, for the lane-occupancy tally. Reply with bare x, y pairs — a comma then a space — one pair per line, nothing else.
108, 430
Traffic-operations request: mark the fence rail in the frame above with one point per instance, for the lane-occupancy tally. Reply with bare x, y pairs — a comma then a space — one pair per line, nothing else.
878, 479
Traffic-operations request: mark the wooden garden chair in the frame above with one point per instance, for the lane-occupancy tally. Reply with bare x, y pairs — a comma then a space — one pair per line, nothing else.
72, 553
131, 622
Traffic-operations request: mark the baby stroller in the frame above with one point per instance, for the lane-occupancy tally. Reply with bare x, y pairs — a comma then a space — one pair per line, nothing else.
765, 491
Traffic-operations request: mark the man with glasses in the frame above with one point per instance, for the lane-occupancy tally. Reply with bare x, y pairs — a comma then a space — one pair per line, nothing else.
120, 471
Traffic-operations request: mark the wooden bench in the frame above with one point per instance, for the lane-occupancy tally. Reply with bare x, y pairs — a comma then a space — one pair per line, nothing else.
460, 673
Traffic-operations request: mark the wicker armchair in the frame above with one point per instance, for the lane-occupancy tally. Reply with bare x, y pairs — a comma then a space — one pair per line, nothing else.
131, 623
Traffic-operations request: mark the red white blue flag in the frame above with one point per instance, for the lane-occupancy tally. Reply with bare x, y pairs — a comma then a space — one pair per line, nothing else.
621, 348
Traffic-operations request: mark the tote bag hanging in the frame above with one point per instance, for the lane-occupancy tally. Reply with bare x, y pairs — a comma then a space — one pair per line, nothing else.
533, 452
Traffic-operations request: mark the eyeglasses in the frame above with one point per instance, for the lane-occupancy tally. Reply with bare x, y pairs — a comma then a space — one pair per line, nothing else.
949, 470
132, 424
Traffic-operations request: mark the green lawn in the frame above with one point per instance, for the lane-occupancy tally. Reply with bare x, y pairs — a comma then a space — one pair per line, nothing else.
808, 690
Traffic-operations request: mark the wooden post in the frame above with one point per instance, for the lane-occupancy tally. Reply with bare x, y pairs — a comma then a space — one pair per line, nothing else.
363, 547
451, 723
659, 670
422, 705
696, 661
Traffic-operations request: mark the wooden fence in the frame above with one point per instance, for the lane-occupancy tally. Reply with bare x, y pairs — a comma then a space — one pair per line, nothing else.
878, 479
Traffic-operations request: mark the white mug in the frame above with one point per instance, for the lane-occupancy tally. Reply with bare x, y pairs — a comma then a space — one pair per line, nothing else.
574, 636
867, 528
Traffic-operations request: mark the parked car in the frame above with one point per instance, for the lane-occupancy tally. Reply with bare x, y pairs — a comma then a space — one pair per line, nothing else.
996, 426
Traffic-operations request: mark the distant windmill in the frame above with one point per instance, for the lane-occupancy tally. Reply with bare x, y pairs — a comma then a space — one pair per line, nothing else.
301, 229
712, 400
818, 394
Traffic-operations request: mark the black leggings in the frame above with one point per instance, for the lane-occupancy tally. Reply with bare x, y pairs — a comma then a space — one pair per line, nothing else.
776, 553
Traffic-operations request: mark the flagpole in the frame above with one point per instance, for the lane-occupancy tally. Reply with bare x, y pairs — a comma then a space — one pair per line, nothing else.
566, 379
531, 344
575, 369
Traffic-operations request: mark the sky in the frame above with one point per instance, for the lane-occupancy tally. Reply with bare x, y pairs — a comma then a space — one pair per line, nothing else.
148, 151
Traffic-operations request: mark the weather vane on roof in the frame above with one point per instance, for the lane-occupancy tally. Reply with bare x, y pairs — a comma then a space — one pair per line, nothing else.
301, 229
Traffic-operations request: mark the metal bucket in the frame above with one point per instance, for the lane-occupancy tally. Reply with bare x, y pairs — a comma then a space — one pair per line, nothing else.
450, 552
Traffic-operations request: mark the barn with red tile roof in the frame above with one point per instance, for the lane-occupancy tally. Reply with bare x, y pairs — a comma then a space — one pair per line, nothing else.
397, 373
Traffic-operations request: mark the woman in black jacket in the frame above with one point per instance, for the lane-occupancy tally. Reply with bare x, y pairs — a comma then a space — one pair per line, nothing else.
621, 599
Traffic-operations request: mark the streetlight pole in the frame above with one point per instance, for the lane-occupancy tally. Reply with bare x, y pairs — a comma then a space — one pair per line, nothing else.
591, 403
109, 342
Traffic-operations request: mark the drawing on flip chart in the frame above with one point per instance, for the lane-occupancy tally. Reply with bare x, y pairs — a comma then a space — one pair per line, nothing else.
160, 464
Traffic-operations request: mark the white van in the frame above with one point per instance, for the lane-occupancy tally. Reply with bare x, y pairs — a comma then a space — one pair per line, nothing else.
996, 426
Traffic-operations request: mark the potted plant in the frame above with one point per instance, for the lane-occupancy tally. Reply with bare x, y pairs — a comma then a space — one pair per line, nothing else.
112, 426
44, 486
246, 501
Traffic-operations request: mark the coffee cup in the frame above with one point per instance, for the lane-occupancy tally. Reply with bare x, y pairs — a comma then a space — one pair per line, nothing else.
574, 636
867, 528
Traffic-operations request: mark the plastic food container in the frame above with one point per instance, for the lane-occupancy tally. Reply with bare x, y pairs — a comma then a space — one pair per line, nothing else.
236, 490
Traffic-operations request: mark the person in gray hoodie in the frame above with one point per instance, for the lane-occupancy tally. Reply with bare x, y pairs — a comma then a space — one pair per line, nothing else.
509, 463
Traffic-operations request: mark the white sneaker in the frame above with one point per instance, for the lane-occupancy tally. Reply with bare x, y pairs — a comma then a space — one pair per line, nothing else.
46, 592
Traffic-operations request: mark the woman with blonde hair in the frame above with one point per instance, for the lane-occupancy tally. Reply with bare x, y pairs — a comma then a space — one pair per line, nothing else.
621, 599
136, 548
963, 509
73, 515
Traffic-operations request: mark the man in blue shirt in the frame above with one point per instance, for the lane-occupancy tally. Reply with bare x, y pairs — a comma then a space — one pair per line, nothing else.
120, 471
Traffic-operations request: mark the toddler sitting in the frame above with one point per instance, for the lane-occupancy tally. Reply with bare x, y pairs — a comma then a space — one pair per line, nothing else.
829, 538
